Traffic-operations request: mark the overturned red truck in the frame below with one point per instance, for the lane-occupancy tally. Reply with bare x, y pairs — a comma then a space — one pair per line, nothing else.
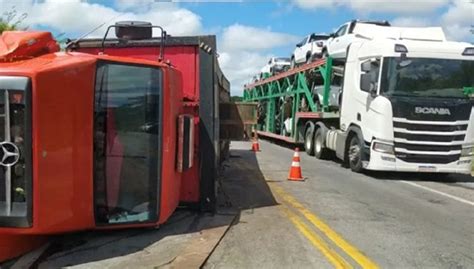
111, 134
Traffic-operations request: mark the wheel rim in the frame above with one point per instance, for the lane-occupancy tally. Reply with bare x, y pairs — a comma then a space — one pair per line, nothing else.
318, 145
354, 151
308, 141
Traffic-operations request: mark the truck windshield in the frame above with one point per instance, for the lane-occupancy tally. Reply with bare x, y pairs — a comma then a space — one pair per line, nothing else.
425, 77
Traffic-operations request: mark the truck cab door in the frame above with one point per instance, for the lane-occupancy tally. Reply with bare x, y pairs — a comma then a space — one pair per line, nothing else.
363, 91
127, 144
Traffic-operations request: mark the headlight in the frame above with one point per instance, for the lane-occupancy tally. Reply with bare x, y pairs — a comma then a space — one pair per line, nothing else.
466, 152
383, 148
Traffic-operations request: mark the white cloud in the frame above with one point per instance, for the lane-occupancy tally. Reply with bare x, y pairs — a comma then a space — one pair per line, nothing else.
314, 4
240, 37
240, 66
244, 50
371, 6
459, 20
76, 17
403, 7
135, 5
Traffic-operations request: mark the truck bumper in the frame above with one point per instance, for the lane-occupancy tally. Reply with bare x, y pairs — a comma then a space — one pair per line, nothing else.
387, 162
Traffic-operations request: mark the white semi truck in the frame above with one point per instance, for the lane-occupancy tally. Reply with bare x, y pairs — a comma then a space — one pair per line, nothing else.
407, 103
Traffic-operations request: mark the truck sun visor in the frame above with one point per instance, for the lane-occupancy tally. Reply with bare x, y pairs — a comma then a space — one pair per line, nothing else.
468, 52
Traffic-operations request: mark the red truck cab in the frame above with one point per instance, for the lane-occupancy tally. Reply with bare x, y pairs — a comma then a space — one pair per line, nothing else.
101, 141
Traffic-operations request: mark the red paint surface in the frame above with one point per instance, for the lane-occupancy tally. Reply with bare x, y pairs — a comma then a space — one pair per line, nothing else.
62, 145
171, 179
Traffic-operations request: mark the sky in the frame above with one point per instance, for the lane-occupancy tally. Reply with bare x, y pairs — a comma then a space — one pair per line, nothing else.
248, 32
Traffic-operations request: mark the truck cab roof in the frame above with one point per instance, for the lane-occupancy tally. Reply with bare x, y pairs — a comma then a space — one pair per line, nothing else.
415, 48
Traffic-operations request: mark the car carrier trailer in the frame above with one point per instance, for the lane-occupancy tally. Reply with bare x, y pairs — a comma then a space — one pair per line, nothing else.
111, 134
401, 101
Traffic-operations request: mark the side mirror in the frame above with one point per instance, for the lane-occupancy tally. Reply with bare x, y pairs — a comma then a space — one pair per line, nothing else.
368, 84
365, 82
185, 152
298, 45
373, 90
366, 66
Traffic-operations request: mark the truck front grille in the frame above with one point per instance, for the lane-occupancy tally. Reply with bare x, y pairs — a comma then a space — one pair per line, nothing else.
428, 142
15, 153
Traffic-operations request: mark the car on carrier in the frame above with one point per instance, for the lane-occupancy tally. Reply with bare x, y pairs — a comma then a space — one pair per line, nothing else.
337, 45
309, 48
275, 66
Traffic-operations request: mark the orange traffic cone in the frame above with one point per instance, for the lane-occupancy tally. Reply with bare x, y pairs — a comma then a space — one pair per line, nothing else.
295, 170
255, 145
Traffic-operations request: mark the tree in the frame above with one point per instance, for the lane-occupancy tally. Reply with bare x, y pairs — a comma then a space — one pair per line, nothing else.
11, 20
236, 99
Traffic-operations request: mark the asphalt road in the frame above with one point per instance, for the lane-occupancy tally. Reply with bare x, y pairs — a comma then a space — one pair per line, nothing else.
340, 219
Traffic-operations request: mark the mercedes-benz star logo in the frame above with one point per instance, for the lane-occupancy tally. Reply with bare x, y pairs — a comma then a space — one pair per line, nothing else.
9, 154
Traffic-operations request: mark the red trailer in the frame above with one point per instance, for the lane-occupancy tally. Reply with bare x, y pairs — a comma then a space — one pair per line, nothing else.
112, 134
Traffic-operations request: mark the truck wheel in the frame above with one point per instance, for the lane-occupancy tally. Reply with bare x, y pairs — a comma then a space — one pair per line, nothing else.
320, 151
293, 63
354, 153
308, 58
309, 141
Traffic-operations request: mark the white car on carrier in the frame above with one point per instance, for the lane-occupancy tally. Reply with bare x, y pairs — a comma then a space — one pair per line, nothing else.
275, 66
337, 45
309, 48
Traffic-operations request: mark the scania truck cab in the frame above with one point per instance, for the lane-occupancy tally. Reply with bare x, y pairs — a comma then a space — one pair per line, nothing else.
407, 104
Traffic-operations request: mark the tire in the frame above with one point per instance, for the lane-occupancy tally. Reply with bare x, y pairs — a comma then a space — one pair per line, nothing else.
308, 59
354, 153
320, 151
293, 63
271, 71
325, 53
309, 141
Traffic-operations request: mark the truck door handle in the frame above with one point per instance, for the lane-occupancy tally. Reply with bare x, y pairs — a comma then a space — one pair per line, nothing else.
359, 117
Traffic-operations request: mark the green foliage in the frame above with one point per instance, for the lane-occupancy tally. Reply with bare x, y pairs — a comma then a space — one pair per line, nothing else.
11, 20
236, 99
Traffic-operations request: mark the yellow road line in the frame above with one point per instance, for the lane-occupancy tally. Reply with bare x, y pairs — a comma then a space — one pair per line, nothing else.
316, 240
352, 251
